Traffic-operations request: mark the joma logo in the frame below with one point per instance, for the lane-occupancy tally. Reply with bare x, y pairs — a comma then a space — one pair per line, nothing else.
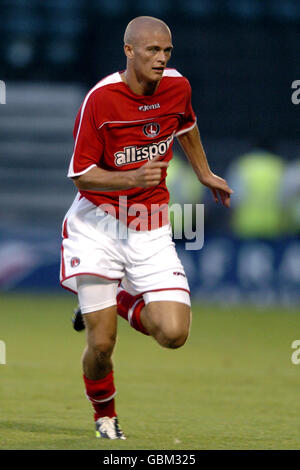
148, 107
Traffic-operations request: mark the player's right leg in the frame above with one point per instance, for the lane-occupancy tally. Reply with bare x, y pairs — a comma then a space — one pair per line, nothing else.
90, 245
97, 300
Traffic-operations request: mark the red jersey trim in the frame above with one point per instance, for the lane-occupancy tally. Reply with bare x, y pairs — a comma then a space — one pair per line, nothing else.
127, 122
83, 171
183, 131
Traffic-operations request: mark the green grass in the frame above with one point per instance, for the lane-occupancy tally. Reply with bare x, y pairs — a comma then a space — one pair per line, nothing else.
232, 386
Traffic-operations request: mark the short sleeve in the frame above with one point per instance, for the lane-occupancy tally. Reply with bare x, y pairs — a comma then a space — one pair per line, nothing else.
88, 147
189, 119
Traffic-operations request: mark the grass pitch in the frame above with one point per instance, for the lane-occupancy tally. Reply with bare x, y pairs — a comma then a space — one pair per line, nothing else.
232, 386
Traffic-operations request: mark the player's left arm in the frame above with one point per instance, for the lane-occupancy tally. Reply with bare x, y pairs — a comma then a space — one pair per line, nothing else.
192, 146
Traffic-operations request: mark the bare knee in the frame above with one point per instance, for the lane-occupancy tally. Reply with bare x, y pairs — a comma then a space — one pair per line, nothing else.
103, 347
101, 332
168, 322
99, 348
173, 338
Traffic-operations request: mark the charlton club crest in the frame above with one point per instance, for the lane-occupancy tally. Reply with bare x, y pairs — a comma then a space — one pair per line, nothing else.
75, 262
151, 130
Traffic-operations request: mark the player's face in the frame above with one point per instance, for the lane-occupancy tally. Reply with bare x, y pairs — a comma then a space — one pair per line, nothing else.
151, 55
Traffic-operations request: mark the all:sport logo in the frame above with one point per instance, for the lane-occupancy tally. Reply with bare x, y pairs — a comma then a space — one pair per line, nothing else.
133, 154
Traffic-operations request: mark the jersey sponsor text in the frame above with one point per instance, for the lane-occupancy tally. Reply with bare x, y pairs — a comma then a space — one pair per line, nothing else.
133, 154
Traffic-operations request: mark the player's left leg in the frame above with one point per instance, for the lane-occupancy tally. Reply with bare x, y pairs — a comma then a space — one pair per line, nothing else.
167, 322
154, 295
165, 315
97, 298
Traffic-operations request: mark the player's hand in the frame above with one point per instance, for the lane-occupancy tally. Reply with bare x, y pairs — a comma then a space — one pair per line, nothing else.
149, 174
219, 188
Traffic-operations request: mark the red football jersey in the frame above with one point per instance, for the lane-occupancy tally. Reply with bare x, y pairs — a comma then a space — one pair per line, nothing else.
116, 129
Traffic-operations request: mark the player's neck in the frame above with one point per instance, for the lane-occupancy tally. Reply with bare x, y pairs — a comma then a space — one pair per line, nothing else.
139, 87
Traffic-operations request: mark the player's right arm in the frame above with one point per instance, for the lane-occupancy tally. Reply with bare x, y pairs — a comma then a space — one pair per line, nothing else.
98, 179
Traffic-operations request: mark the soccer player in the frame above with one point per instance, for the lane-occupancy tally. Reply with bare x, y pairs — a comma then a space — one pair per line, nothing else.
116, 262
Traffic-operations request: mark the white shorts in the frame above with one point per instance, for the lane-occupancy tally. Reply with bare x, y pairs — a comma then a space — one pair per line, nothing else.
145, 261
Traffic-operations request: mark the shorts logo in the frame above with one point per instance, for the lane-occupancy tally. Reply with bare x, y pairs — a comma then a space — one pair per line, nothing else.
177, 273
151, 130
75, 262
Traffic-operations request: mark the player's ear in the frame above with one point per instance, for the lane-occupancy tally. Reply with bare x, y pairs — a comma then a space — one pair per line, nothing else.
128, 50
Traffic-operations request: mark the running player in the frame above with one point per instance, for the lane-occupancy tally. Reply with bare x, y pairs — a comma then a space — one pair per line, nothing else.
118, 262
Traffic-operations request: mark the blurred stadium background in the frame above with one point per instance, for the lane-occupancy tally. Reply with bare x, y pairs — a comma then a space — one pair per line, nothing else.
241, 57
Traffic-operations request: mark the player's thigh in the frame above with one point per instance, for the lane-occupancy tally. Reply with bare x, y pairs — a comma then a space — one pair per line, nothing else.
170, 318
